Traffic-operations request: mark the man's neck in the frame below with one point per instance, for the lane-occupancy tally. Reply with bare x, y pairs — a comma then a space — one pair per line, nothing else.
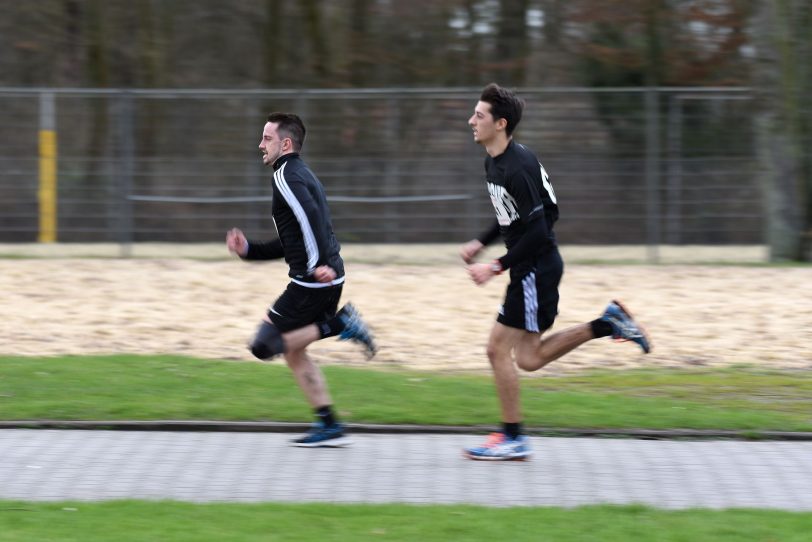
498, 146
278, 162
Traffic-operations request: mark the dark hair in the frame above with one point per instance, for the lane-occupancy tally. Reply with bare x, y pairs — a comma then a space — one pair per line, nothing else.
504, 105
291, 126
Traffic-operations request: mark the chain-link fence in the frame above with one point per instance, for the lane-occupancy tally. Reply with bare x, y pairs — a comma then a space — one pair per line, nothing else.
631, 166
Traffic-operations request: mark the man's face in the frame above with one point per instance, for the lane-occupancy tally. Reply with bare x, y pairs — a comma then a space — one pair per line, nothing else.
271, 145
482, 123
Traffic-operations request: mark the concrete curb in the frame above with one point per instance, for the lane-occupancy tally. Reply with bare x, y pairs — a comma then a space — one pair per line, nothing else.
288, 427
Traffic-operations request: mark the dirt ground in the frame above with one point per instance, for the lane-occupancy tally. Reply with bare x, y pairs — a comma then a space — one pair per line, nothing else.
424, 310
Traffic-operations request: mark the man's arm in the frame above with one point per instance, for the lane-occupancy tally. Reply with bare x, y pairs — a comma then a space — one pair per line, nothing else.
527, 246
491, 234
470, 249
524, 189
239, 245
271, 250
531, 212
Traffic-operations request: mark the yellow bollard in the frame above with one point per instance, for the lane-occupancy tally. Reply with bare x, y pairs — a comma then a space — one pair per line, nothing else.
47, 186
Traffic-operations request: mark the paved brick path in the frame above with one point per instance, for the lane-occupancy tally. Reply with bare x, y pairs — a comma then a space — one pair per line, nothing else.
44, 465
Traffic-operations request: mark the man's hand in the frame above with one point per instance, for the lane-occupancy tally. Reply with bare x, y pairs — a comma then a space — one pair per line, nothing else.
236, 242
481, 273
324, 273
469, 250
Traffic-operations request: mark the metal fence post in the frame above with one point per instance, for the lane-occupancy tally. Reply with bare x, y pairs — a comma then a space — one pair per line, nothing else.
652, 174
255, 175
674, 182
46, 193
391, 224
124, 155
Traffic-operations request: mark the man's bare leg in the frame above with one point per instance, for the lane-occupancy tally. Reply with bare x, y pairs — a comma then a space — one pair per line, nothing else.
532, 354
506, 378
309, 377
301, 338
357, 331
509, 444
329, 431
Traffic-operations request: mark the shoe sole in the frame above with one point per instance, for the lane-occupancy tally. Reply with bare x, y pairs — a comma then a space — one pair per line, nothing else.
332, 443
640, 327
525, 457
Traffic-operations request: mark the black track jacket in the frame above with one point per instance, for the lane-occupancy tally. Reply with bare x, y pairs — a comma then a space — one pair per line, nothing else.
302, 219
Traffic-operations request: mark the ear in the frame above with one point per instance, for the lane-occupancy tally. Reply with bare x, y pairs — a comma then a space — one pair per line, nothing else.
501, 124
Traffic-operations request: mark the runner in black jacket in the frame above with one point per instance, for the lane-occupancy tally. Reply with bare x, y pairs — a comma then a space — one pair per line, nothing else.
307, 310
526, 210
302, 220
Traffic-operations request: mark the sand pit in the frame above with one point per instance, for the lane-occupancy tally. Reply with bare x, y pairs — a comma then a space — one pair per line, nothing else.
426, 317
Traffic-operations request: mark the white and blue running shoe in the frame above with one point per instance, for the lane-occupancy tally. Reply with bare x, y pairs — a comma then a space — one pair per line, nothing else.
356, 329
321, 436
499, 447
624, 328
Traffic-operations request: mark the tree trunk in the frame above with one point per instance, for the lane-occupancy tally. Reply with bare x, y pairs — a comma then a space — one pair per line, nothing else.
272, 42
359, 49
654, 62
318, 39
783, 126
98, 70
70, 71
511, 44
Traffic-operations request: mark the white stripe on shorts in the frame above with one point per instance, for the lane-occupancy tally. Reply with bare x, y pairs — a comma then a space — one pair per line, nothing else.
339, 280
531, 302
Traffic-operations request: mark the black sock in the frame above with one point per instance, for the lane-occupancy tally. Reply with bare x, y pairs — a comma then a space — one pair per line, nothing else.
331, 327
600, 328
512, 430
326, 416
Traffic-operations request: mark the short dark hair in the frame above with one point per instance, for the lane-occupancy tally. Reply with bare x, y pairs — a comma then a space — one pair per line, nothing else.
504, 105
291, 126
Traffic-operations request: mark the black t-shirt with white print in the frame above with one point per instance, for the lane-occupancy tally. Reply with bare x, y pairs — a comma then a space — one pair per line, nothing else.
522, 195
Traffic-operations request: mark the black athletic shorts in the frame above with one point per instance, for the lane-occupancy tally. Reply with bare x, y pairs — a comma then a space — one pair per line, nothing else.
531, 299
299, 306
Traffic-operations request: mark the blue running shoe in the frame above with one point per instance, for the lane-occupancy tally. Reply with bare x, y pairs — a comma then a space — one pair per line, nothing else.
320, 436
356, 329
624, 328
501, 448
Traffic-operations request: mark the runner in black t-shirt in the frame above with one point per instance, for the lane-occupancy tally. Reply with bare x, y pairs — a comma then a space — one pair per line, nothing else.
307, 310
526, 210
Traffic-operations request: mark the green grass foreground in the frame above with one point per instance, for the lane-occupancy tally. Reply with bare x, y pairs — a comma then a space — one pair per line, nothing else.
126, 521
170, 387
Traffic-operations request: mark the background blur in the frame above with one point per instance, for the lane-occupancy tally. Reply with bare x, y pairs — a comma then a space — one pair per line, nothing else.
660, 122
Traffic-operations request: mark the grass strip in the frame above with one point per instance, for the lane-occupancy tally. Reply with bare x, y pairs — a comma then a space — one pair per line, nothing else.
124, 387
130, 520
